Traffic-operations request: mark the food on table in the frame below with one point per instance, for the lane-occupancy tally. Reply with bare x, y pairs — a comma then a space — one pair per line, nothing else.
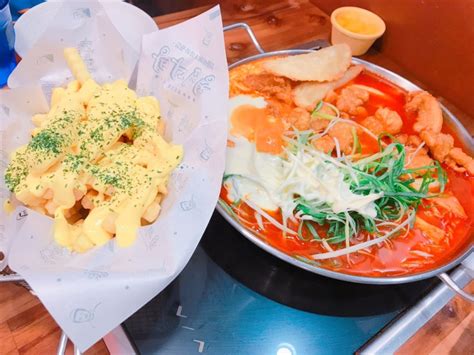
96, 162
308, 94
356, 22
353, 174
327, 64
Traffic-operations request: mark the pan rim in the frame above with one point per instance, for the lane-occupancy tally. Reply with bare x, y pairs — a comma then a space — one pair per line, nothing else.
380, 280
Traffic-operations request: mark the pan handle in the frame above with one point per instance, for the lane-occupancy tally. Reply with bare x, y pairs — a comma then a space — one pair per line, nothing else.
249, 32
468, 264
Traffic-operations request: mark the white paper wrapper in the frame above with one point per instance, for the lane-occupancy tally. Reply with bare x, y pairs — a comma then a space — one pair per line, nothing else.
185, 68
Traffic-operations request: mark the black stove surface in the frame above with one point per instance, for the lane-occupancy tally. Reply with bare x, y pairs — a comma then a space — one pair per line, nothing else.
235, 298
297, 288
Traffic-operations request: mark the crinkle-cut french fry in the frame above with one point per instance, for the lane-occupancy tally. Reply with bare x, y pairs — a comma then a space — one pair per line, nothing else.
162, 189
50, 207
39, 119
161, 127
57, 95
82, 243
87, 91
93, 134
48, 194
77, 65
109, 223
78, 194
110, 190
68, 213
73, 213
152, 212
86, 202
35, 131
30, 199
73, 86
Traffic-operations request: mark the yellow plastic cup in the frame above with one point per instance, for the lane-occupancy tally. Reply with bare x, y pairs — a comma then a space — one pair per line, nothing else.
357, 27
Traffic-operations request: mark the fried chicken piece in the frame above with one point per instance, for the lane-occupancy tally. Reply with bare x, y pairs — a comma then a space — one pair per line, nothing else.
299, 118
460, 161
402, 138
384, 120
307, 94
411, 140
319, 124
325, 144
440, 144
442, 148
391, 120
430, 116
343, 132
374, 125
351, 100
331, 97
414, 141
270, 85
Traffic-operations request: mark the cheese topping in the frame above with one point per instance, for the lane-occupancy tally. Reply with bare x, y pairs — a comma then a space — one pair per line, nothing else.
97, 163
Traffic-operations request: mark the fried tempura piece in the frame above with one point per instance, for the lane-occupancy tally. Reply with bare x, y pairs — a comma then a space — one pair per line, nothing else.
308, 94
430, 116
384, 120
391, 120
325, 144
460, 161
440, 144
351, 100
327, 64
299, 118
269, 85
343, 132
442, 148
331, 97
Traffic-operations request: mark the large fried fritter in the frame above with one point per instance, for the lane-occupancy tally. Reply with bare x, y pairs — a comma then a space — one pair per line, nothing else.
327, 64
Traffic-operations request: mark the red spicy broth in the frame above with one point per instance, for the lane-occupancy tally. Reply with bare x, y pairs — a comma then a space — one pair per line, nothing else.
415, 252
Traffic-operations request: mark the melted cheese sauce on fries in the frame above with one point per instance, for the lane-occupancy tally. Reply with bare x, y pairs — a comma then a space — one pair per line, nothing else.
97, 162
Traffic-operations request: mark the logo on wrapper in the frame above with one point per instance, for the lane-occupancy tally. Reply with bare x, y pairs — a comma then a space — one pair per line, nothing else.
150, 238
95, 274
45, 59
183, 76
207, 38
160, 59
53, 253
207, 152
22, 214
203, 85
188, 205
81, 13
86, 50
82, 315
47, 87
